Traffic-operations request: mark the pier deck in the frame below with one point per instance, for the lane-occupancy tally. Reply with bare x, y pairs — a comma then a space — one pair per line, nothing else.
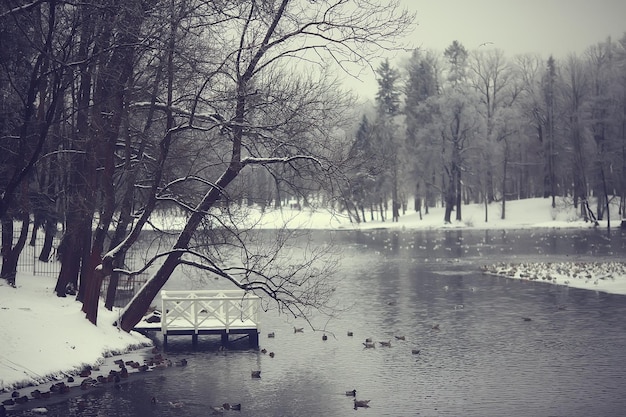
207, 312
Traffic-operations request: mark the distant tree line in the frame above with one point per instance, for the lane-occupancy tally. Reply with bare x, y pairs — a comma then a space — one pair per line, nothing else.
463, 127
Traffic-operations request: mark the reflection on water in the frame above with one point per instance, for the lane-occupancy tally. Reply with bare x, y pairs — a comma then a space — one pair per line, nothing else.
484, 360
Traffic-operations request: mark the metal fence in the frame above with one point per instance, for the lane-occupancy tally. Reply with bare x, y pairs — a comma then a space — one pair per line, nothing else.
127, 287
29, 263
29, 259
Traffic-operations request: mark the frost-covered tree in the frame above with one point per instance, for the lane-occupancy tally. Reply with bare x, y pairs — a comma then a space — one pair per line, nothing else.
387, 138
422, 83
493, 79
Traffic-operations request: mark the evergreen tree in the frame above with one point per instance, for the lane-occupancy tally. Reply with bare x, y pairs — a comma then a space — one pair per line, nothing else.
389, 146
388, 95
420, 85
456, 54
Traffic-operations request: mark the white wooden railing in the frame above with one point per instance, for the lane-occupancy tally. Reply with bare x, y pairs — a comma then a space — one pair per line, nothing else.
209, 310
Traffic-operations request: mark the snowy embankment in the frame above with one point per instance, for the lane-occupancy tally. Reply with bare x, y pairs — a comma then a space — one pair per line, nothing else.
45, 337
520, 214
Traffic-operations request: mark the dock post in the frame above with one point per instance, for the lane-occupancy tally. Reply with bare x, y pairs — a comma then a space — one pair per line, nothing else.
194, 339
254, 339
225, 339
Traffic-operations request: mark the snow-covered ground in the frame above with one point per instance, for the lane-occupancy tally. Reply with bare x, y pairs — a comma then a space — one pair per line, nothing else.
44, 336
529, 213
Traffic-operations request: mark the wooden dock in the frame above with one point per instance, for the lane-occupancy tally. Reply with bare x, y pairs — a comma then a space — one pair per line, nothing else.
207, 312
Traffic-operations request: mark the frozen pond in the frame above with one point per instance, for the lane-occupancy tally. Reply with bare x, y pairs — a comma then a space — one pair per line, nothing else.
569, 359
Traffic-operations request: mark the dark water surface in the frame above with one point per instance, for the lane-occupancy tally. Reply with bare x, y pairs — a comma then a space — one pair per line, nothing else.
484, 360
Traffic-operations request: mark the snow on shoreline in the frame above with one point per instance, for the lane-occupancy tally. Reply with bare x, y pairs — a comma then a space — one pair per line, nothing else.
45, 337
532, 213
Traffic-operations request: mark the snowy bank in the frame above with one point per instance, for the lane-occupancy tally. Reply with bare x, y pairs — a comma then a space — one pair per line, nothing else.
519, 214
45, 337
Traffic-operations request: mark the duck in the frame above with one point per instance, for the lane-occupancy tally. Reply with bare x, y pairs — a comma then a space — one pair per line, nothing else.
369, 345
218, 410
182, 362
271, 354
527, 319
415, 351
229, 406
21, 400
298, 329
255, 374
386, 344
87, 382
264, 351
400, 337
176, 404
57, 387
271, 335
435, 327
361, 403
324, 337
350, 333
351, 393
161, 365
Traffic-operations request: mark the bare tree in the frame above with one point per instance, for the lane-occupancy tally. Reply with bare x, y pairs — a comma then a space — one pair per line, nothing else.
576, 92
494, 81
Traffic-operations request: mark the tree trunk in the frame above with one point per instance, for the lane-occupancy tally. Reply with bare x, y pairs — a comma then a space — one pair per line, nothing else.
11, 253
69, 254
505, 165
458, 199
50, 233
448, 213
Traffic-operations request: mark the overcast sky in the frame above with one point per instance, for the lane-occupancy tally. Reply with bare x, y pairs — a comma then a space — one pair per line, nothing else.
518, 26
556, 27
